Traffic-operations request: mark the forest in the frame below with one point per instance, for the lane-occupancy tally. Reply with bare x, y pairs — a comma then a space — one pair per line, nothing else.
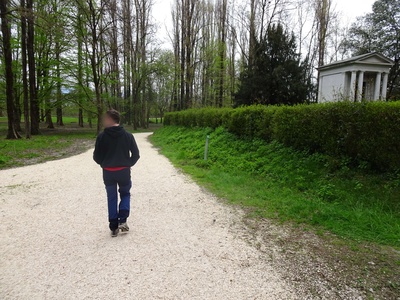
81, 57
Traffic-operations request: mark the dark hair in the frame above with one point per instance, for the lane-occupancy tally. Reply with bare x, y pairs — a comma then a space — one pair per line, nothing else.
114, 115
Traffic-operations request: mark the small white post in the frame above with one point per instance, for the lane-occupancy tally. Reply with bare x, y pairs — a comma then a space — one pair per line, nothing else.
353, 85
385, 85
378, 81
360, 86
206, 149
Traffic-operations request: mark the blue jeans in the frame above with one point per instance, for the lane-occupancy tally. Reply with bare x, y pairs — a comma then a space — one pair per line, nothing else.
113, 180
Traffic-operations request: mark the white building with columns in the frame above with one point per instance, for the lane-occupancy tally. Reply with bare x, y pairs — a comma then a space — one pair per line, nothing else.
359, 78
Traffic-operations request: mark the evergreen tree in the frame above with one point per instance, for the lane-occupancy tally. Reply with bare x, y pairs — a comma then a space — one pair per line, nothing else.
276, 75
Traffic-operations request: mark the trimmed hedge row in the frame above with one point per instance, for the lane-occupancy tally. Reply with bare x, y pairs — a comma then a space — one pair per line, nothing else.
251, 121
367, 132
204, 117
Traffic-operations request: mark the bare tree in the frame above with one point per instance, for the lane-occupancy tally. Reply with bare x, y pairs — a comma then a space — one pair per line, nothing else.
25, 87
139, 61
323, 13
223, 14
92, 14
176, 41
323, 17
34, 104
127, 60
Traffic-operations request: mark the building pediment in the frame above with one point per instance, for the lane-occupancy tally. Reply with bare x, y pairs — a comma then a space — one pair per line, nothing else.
373, 59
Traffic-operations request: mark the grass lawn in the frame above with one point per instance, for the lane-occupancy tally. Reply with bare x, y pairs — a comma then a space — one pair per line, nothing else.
279, 183
49, 145
311, 196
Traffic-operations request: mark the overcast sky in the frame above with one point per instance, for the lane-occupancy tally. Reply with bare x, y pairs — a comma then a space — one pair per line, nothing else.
349, 10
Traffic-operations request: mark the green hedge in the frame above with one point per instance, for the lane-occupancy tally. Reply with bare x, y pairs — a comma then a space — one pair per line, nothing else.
251, 121
367, 132
203, 117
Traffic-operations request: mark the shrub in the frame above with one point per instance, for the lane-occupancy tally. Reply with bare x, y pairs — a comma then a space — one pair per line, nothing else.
366, 132
203, 117
363, 131
252, 121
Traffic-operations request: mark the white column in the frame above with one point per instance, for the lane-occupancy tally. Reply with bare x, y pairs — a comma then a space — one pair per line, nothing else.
360, 86
320, 89
352, 90
378, 80
385, 85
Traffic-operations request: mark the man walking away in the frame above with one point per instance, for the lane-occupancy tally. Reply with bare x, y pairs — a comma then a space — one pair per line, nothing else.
116, 152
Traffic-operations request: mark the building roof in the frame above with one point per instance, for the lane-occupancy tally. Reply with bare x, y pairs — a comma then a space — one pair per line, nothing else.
369, 59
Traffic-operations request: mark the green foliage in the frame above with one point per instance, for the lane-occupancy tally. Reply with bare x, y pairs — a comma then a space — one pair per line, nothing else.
3, 160
203, 117
367, 133
376, 32
276, 75
162, 76
278, 182
252, 121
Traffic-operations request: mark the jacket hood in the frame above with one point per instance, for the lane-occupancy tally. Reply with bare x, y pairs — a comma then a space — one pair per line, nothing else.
114, 131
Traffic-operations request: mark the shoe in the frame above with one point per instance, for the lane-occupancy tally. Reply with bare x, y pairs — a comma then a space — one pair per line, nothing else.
114, 233
123, 227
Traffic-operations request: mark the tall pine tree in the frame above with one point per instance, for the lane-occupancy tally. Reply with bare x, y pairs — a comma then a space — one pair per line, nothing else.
276, 75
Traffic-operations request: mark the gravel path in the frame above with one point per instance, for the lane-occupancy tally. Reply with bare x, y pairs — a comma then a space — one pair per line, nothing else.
183, 244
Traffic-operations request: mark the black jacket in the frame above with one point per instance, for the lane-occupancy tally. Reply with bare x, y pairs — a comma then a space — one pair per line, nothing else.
115, 147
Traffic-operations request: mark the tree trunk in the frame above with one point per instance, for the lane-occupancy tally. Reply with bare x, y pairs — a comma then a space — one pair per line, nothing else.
252, 37
80, 66
222, 54
47, 104
115, 72
35, 113
49, 120
95, 64
17, 108
16, 94
25, 71
59, 112
127, 37
323, 15
183, 55
44, 76
6, 31
175, 103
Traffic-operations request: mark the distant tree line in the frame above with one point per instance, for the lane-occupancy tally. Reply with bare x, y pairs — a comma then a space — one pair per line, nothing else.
91, 55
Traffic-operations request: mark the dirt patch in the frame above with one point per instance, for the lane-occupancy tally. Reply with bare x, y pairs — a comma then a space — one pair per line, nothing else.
72, 148
325, 266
